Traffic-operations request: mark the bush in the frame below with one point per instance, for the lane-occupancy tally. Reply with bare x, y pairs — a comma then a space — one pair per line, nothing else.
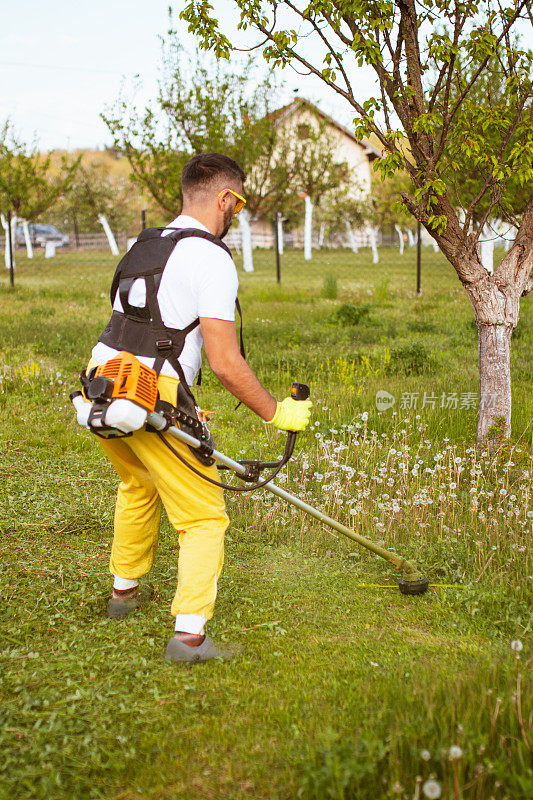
411, 359
349, 314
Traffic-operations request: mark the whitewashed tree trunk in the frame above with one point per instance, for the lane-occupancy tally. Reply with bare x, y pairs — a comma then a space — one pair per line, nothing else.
280, 233
308, 228
496, 302
411, 238
321, 233
400, 237
486, 249
27, 238
246, 240
351, 238
3, 221
109, 233
373, 244
494, 344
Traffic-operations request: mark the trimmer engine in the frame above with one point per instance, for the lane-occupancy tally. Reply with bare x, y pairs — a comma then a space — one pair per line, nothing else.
118, 396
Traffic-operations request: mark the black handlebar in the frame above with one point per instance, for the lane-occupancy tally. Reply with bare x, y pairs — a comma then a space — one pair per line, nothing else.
299, 391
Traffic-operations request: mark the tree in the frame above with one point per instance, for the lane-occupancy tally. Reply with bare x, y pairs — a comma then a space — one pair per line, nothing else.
28, 185
95, 190
204, 107
427, 58
200, 107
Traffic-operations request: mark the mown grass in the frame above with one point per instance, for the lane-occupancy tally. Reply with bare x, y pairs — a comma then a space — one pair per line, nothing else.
342, 689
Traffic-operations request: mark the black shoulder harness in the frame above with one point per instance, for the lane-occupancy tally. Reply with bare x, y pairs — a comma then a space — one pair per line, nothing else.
141, 331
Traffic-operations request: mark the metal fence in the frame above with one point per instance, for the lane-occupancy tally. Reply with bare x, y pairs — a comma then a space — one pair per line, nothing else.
81, 241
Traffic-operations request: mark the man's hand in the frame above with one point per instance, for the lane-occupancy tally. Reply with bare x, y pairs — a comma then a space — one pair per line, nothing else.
223, 354
292, 415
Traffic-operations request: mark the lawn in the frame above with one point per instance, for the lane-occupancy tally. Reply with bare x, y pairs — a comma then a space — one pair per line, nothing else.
343, 688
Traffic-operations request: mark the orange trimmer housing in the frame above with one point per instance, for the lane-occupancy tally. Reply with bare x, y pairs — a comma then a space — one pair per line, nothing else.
131, 380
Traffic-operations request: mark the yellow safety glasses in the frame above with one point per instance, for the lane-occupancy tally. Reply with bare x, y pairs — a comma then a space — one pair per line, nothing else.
241, 202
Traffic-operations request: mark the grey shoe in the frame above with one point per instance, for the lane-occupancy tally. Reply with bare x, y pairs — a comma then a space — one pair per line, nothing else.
179, 652
120, 607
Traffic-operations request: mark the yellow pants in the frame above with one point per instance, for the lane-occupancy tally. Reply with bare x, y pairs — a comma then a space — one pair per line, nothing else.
151, 474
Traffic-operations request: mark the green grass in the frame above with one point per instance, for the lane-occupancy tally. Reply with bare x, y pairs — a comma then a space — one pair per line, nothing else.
341, 690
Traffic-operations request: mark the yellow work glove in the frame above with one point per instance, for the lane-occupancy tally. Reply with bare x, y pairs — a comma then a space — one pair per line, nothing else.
292, 415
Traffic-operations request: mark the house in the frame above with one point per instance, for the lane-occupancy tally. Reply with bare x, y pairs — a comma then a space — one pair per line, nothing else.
299, 117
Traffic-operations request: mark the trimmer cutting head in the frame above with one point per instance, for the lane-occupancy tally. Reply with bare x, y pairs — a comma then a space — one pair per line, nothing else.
413, 587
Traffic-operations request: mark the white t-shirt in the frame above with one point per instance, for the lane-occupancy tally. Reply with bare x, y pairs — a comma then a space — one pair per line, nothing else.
200, 280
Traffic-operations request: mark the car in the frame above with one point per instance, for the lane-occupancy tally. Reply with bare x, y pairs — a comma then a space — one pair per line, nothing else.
41, 234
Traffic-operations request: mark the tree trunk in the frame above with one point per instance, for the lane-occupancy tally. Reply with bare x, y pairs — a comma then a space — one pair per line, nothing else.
280, 233
400, 237
308, 228
109, 233
27, 238
246, 241
486, 249
372, 232
494, 381
351, 238
496, 306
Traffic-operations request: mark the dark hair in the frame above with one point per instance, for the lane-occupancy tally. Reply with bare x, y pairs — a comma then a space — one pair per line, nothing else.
203, 168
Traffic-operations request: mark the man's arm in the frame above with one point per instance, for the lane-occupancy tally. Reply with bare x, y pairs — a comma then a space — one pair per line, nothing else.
223, 354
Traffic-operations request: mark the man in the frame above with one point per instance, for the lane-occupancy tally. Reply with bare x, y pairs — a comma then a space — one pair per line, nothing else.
198, 281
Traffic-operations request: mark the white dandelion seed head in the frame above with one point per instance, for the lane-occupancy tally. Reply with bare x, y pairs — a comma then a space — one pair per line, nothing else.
517, 645
454, 753
431, 789
425, 755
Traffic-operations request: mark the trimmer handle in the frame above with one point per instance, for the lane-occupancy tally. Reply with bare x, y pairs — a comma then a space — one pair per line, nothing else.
300, 391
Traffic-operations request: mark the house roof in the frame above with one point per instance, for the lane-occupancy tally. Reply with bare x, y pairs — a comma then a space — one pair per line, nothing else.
286, 111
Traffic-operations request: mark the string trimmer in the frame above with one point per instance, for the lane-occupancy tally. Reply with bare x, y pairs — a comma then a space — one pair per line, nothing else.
125, 402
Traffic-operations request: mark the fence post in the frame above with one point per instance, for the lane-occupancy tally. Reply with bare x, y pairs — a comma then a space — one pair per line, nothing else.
10, 249
418, 258
76, 231
276, 242
143, 218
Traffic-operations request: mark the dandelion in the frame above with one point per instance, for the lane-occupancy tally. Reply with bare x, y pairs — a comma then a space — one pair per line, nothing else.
431, 789
425, 755
364, 416
517, 645
454, 753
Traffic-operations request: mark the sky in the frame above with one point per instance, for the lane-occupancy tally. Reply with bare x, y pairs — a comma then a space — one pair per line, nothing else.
62, 63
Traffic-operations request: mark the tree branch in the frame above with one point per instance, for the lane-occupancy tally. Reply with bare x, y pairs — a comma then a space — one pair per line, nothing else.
484, 63
516, 268
331, 49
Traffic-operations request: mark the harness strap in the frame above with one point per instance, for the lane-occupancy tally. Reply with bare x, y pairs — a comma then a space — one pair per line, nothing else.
241, 339
167, 349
